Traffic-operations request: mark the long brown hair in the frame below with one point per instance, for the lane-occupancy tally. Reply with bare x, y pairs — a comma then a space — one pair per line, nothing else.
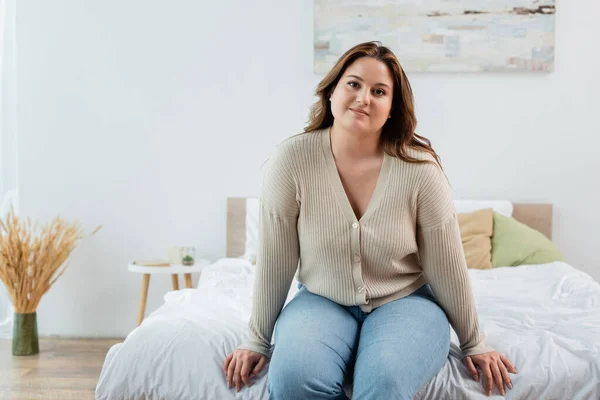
398, 133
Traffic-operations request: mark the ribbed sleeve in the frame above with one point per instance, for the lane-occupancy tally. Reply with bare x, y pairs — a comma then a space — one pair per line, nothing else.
443, 261
278, 255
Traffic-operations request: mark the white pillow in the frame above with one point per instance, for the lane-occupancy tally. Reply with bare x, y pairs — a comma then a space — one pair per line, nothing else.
251, 247
503, 207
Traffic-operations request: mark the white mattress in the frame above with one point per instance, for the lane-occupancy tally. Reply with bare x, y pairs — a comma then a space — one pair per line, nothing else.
545, 318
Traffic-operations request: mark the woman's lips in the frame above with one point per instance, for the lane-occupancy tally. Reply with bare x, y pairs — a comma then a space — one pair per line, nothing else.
359, 112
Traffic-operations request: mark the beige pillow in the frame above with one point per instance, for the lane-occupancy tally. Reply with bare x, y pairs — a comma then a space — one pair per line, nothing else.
476, 229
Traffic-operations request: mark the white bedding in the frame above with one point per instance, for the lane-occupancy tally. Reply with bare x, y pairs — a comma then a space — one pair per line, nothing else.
545, 318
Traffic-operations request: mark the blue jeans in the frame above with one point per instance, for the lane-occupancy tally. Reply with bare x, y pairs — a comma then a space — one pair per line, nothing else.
390, 353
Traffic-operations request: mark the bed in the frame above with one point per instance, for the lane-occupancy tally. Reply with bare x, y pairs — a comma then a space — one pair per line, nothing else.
545, 318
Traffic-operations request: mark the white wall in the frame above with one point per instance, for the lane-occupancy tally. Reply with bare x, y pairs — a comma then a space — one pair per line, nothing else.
8, 139
145, 117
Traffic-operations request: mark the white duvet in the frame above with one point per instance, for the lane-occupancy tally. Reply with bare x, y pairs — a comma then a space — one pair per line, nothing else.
545, 318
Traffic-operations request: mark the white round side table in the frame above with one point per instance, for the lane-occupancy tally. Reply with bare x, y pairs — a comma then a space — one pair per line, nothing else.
173, 270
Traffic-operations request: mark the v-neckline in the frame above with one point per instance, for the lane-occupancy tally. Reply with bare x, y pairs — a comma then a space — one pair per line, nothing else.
338, 186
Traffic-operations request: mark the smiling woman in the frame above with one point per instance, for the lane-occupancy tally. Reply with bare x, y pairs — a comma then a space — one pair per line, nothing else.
363, 104
373, 82
358, 207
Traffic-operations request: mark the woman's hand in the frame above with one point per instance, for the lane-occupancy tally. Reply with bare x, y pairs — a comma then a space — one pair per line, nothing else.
494, 366
241, 365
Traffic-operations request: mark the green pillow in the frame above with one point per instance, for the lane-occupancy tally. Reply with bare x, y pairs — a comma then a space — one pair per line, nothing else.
514, 244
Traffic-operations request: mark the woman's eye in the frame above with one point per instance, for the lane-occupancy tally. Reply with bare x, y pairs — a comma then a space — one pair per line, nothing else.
379, 92
353, 84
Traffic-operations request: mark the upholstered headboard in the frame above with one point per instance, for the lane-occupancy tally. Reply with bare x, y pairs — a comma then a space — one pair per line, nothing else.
536, 215
236, 226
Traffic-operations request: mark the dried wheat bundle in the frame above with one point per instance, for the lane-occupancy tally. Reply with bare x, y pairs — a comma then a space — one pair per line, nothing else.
31, 263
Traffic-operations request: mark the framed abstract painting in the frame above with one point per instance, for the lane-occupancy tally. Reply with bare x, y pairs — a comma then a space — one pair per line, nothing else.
441, 35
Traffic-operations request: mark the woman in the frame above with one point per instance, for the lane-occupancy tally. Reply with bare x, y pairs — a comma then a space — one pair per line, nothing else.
359, 206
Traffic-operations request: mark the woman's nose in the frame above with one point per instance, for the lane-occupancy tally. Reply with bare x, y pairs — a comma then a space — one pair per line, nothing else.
363, 97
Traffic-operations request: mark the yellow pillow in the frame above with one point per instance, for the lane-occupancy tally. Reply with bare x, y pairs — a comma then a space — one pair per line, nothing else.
476, 229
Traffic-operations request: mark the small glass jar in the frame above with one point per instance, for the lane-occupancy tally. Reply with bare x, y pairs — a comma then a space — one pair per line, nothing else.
188, 255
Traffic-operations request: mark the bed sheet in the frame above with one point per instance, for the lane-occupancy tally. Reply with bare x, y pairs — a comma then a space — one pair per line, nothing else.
545, 318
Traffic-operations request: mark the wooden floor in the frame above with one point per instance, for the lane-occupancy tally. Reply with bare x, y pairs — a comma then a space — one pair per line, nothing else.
64, 369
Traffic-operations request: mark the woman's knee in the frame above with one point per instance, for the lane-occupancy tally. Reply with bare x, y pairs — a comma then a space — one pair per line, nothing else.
402, 346
382, 374
384, 383
315, 339
308, 371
